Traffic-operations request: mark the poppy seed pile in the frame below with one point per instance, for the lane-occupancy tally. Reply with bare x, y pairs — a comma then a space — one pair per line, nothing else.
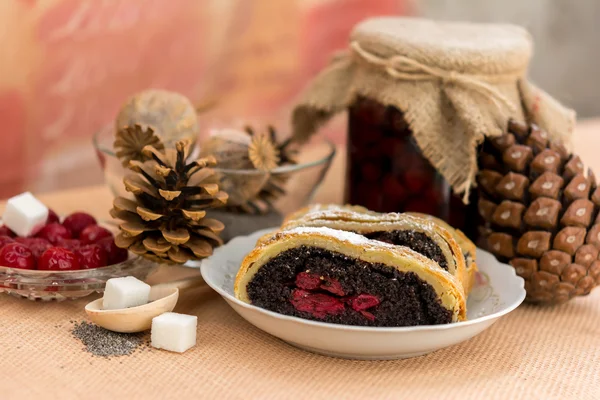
104, 343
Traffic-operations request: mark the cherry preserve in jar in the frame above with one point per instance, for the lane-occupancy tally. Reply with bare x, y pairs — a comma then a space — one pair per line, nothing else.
422, 96
386, 171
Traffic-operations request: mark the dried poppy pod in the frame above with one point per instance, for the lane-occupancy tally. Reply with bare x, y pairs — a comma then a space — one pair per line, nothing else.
171, 115
130, 142
241, 152
539, 208
274, 188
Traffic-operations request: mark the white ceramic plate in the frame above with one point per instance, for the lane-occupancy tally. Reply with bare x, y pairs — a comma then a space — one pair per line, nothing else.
497, 292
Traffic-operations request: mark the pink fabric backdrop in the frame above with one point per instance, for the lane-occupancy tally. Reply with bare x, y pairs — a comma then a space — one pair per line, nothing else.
67, 65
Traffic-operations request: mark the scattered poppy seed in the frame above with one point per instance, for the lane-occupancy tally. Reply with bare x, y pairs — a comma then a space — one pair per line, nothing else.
104, 343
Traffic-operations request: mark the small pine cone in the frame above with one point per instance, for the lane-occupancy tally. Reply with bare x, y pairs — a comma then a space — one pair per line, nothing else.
166, 222
540, 212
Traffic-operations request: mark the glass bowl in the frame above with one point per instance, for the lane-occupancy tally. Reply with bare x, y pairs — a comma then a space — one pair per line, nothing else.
67, 285
300, 182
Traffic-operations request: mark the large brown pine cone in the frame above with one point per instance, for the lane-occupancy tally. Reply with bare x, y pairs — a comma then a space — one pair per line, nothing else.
539, 210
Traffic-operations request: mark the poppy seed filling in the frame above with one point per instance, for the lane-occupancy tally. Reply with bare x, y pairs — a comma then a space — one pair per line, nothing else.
417, 241
323, 285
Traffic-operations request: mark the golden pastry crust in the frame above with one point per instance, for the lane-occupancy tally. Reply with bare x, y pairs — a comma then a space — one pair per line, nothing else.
466, 245
323, 207
364, 223
446, 286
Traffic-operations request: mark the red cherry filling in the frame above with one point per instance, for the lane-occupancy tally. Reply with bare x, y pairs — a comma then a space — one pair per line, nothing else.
17, 255
320, 305
93, 233
58, 259
91, 256
332, 286
5, 231
77, 222
115, 254
317, 304
37, 245
52, 217
363, 302
54, 233
308, 281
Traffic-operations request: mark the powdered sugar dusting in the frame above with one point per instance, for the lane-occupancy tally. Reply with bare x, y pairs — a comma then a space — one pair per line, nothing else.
343, 213
349, 237
342, 235
369, 222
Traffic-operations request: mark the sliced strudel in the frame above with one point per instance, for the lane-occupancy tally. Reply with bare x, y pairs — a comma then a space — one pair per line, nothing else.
419, 234
468, 248
342, 277
324, 207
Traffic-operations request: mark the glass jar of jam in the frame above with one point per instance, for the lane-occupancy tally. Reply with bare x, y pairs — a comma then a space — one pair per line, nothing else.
386, 170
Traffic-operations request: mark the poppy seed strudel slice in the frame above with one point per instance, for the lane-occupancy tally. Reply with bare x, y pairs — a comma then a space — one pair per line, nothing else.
342, 277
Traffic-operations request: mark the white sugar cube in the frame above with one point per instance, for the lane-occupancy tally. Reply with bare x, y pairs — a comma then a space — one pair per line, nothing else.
124, 293
174, 332
24, 214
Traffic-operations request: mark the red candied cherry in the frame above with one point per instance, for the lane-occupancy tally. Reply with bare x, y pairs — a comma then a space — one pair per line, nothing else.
77, 222
424, 207
17, 255
52, 217
54, 233
115, 254
332, 286
5, 231
364, 302
393, 188
415, 180
37, 245
393, 147
93, 233
308, 281
69, 244
319, 305
371, 172
58, 259
91, 256
5, 240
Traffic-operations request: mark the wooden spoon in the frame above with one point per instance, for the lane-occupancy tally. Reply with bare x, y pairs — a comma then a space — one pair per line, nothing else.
163, 298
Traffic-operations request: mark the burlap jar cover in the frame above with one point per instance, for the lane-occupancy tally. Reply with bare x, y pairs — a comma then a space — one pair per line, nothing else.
455, 82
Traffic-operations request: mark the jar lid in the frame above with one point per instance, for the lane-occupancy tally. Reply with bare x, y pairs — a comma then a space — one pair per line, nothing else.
456, 46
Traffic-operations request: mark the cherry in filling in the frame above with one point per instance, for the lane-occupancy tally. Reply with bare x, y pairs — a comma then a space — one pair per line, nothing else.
308, 297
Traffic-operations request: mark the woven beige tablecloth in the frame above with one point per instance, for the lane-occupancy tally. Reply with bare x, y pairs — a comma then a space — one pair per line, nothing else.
533, 353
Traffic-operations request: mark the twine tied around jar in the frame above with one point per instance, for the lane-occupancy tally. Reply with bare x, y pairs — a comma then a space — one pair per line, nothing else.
406, 68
